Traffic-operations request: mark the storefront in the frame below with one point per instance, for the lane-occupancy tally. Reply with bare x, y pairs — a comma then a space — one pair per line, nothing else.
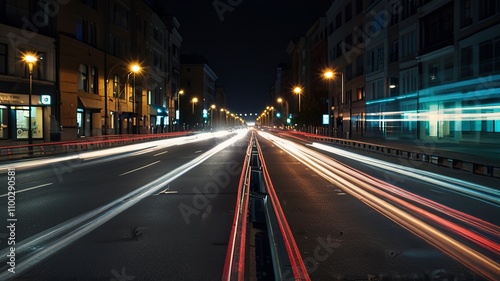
158, 117
15, 117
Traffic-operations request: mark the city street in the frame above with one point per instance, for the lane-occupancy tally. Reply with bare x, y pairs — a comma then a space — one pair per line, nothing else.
163, 210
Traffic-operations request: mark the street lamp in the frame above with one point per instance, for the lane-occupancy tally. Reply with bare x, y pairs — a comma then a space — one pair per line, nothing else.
280, 101
30, 59
329, 75
181, 92
134, 68
221, 112
212, 107
298, 90
193, 101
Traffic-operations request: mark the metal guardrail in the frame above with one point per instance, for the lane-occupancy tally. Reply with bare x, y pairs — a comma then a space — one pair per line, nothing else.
286, 259
53, 148
274, 240
449, 162
234, 267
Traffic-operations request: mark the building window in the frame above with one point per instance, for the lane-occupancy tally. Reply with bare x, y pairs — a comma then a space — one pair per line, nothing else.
358, 35
348, 43
116, 86
40, 71
359, 6
489, 57
348, 12
487, 8
90, 3
409, 44
408, 81
360, 93
437, 29
360, 65
466, 62
338, 21
339, 49
448, 69
3, 59
93, 81
433, 73
409, 8
79, 32
380, 58
348, 72
466, 9
83, 78
330, 28
486, 58
92, 40
111, 44
120, 16
394, 51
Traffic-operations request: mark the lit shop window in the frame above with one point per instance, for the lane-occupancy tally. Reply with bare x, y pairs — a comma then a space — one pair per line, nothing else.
22, 122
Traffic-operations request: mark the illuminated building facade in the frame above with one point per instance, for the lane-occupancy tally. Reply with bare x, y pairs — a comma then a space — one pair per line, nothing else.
438, 66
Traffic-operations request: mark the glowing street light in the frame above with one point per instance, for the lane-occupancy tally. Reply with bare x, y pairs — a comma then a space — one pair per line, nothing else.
135, 69
30, 59
298, 90
329, 75
212, 107
193, 101
181, 92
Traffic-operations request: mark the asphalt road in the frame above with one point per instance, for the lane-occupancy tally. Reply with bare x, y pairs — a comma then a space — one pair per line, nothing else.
164, 212
179, 232
342, 238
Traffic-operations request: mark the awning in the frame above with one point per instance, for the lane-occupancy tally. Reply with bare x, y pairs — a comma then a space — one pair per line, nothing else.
157, 110
24, 88
16, 93
90, 103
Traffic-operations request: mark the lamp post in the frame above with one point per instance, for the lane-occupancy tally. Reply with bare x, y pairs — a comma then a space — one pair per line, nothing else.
30, 59
193, 101
329, 75
212, 107
221, 112
134, 68
181, 92
298, 90
280, 101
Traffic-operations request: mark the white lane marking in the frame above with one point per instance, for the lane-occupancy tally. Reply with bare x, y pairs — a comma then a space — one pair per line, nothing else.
28, 189
198, 151
135, 170
168, 192
89, 221
160, 153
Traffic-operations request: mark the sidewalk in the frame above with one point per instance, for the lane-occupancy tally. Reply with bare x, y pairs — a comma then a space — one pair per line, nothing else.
487, 154
482, 159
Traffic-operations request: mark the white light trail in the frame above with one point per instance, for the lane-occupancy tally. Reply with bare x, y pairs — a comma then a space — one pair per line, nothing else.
385, 198
111, 153
35, 249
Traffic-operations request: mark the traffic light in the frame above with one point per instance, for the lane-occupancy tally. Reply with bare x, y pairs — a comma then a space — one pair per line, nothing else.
278, 114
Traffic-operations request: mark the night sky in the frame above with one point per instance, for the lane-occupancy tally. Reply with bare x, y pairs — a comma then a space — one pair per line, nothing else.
244, 46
